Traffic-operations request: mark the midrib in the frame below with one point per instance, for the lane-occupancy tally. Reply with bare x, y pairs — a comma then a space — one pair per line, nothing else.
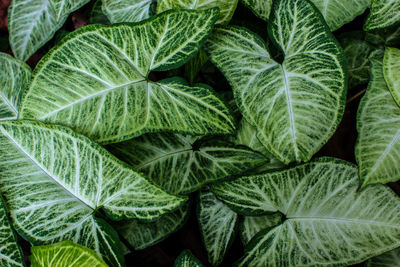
163, 156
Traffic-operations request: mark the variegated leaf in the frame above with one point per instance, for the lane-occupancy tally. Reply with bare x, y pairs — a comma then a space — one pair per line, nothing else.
329, 221
97, 82
384, 37
297, 105
34, 22
96, 14
141, 235
10, 252
378, 126
217, 226
14, 79
127, 10
252, 225
391, 71
226, 7
54, 180
383, 13
261, 8
388, 259
181, 164
186, 259
65, 253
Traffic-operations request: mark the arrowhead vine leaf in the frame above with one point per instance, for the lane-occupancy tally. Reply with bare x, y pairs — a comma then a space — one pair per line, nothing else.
295, 106
384, 13
328, 221
252, 225
65, 253
391, 71
127, 10
14, 79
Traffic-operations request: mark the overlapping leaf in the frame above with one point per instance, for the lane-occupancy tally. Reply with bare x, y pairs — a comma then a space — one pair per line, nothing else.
141, 235
251, 225
217, 225
297, 105
383, 13
96, 14
55, 180
391, 72
14, 78
65, 253
328, 220
10, 252
97, 82
384, 37
181, 164
378, 125
388, 259
226, 7
186, 259
261, 8
127, 10
34, 22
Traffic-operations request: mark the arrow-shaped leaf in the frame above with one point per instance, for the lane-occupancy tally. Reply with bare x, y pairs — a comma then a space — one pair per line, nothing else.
96, 81
297, 105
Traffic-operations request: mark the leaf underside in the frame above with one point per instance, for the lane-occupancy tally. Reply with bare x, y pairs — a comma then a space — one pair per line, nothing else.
96, 81
383, 14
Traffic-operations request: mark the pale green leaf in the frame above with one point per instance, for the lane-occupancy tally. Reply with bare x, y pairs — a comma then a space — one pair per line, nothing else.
144, 234
388, 259
338, 12
54, 181
10, 252
181, 164
217, 226
186, 259
391, 71
329, 222
34, 22
378, 126
127, 10
96, 14
14, 79
261, 8
226, 7
65, 253
251, 225
97, 82
383, 13
297, 105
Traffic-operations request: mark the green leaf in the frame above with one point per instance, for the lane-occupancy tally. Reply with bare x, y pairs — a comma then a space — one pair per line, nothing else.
34, 22
96, 14
97, 82
143, 234
261, 8
181, 164
59, 179
10, 252
251, 225
14, 79
384, 37
378, 126
186, 259
127, 10
383, 13
226, 7
297, 105
193, 67
64, 253
339, 12
388, 259
357, 53
217, 226
328, 220
391, 71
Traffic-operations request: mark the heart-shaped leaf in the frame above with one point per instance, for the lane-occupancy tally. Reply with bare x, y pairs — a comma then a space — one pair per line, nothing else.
10, 252
55, 180
97, 82
328, 220
252, 225
127, 10
181, 164
297, 105
378, 126
391, 71
141, 235
226, 7
388, 259
34, 22
186, 259
14, 79
65, 253
384, 13
217, 225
